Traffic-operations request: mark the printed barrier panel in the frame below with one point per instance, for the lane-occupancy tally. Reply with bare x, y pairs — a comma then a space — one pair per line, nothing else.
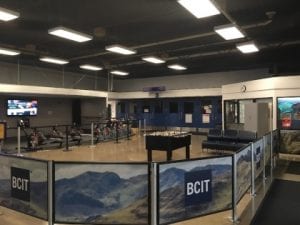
276, 141
95, 193
188, 189
24, 185
243, 170
268, 154
268, 147
258, 152
290, 141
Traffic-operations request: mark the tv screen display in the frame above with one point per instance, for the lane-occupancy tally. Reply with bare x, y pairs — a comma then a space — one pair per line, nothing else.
288, 110
22, 107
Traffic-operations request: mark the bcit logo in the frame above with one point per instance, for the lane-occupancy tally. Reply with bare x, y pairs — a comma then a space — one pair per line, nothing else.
20, 184
198, 187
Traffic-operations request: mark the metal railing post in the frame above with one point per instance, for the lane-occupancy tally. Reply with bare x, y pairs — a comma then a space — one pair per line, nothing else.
252, 171
50, 192
67, 138
234, 194
117, 134
128, 130
140, 127
145, 126
271, 156
154, 193
19, 141
264, 158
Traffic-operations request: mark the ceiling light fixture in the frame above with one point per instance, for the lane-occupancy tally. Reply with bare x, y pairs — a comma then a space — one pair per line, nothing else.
9, 52
7, 15
120, 49
54, 60
152, 59
70, 34
177, 67
90, 67
247, 47
200, 8
119, 72
229, 32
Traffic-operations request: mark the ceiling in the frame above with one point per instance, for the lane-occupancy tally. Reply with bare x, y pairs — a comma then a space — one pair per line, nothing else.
154, 27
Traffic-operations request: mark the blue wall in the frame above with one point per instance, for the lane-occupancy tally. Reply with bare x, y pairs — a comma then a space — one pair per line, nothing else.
157, 111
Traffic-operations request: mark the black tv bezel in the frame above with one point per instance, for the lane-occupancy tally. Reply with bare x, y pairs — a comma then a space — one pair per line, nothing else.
21, 99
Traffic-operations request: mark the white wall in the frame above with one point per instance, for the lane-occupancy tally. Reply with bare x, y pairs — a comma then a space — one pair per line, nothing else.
37, 76
270, 87
192, 81
49, 91
93, 109
167, 93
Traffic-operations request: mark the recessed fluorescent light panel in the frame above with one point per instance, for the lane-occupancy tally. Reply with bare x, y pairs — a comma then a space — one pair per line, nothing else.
229, 32
70, 34
200, 8
177, 67
152, 59
9, 52
54, 60
118, 72
7, 15
120, 50
90, 67
247, 47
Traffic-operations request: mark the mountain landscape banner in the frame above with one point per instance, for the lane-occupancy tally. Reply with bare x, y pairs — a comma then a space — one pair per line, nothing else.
268, 151
101, 193
192, 188
258, 151
24, 185
268, 146
290, 141
243, 168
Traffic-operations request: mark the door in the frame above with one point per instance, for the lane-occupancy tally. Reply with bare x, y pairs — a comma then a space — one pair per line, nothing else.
173, 115
188, 117
159, 114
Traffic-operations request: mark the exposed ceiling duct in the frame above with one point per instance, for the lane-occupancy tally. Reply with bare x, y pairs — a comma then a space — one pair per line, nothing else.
151, 28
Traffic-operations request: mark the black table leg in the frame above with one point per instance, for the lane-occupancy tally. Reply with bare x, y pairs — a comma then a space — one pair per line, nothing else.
169, 155
187, 152
149, 155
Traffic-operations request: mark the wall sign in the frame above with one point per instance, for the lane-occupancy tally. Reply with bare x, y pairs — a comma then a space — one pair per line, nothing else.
198, 187
20, 184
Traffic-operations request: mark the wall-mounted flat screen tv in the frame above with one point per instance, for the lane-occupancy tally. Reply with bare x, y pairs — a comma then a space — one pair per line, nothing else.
288, 111
18, 107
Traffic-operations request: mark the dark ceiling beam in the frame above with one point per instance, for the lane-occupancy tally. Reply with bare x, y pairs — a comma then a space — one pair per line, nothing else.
211, 53
174, 40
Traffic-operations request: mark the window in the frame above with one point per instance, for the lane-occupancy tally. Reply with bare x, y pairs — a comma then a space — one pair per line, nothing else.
158, 108
121, 107
146, 109
206, 107
132, 108
219, 107
135, 109
188, 107
173, 107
